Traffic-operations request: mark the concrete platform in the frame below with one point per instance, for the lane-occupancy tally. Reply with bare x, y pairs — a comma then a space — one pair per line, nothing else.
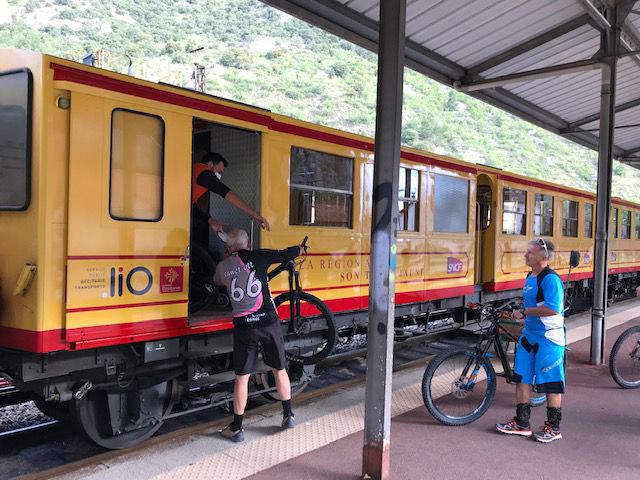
600, 428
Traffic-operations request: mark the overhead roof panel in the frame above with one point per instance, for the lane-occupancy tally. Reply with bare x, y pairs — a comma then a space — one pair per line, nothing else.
579, 44
467, 40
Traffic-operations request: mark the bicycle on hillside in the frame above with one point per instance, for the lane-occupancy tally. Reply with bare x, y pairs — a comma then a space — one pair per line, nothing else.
624, 359
459, 385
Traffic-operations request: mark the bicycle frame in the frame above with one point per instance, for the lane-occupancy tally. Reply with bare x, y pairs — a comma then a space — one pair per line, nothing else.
294, 287
481, 348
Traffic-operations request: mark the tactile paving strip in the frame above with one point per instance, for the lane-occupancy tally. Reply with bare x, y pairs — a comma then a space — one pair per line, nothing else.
253, 456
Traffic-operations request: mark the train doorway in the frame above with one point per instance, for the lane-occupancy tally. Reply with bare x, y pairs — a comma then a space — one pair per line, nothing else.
241, 149
485, 230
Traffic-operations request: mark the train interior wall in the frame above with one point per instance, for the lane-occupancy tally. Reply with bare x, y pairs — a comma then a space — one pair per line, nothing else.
241, 148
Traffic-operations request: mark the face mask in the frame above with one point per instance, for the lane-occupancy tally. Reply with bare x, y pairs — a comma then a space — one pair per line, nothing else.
219, 175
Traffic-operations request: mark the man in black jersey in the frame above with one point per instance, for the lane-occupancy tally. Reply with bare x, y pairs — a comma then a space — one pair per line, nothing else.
206, 178
255, 321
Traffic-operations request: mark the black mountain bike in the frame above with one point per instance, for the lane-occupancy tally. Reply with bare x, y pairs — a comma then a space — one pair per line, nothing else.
624, 359
310, 329
459, 385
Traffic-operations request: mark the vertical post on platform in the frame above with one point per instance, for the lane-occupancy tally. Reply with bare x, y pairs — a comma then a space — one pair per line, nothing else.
377, 420
609, 47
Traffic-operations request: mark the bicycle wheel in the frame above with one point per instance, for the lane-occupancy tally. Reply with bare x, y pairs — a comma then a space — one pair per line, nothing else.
624, 360
452, 397
314, 335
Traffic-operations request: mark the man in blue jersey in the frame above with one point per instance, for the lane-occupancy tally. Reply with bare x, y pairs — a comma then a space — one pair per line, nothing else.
540, 350
255, 322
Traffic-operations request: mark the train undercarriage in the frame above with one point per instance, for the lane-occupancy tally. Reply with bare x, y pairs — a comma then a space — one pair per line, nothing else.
120, 395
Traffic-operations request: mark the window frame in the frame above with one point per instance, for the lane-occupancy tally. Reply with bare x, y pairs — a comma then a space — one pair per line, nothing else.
542, 215
590, 210
467, 229
614, 221
567, 201
524, 214
625, 231
162, 168
637, 229
308, 188
408, 200
29, 143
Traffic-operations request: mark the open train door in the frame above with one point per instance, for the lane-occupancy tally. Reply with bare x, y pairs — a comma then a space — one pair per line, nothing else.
241, 148
128, 221
485, 230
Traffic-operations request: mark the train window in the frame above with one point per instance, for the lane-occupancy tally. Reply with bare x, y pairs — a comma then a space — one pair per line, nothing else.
637, 225
321, 189
514, 212
15, 139
569, 218
543, 215
588, 220
137, 164
451, 204
625, 224
483, 209
614, 223
408, 199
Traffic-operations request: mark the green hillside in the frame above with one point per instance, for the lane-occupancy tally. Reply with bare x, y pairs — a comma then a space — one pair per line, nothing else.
258, 55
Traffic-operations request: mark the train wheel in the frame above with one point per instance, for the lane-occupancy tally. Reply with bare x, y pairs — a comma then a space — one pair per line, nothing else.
298, 381
315, 333
122, 419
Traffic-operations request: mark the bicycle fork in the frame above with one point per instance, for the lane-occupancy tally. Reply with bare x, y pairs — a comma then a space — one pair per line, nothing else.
474, 364
294, 304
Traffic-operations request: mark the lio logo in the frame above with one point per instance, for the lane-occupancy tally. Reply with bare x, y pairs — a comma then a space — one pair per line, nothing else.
143, 276
454, 265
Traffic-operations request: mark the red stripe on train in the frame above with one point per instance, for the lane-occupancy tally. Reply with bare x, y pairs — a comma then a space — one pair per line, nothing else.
94, 79
117, 334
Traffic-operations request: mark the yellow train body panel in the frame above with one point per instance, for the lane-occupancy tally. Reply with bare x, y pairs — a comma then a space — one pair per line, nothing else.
109, 221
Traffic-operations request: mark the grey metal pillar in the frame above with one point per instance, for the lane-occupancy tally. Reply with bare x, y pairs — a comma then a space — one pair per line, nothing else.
377, 419
610, 41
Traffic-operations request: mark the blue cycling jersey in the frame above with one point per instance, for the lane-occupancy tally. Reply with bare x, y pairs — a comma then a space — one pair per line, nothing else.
551, 327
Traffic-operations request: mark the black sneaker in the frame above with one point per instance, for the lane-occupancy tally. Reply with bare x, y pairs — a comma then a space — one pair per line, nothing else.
288, 422
235, 436
512, 428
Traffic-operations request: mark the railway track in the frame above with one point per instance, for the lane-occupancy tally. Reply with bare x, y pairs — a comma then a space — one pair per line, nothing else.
68, 451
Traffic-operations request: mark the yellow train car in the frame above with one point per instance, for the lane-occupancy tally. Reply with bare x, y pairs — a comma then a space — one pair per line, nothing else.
99, 274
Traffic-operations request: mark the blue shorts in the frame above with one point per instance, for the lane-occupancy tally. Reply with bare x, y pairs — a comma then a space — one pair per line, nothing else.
539, 357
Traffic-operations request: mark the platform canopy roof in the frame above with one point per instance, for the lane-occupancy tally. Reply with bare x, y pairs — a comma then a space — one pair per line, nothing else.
538, 59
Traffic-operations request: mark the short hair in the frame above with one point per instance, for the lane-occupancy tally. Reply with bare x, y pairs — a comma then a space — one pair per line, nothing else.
214, 157
237, 239
546, 246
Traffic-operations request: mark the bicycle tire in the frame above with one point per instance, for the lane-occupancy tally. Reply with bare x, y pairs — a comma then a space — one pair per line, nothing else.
624, 359
441, 392
316, 319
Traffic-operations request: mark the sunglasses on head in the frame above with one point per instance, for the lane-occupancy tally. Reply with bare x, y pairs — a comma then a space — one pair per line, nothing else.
543, 244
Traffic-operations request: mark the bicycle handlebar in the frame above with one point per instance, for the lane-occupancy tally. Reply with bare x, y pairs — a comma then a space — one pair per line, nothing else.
287, 265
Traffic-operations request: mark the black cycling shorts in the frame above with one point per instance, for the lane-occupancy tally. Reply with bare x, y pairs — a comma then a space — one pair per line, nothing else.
245, 348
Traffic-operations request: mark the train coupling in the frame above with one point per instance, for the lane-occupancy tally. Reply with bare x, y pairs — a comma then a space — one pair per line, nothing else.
82, 390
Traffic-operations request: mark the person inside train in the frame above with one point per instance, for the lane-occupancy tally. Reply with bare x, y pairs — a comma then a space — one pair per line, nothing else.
207, 175
540, 350
255, 321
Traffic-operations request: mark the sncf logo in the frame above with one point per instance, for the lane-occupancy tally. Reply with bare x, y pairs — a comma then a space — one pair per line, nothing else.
138, 281
454, 265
